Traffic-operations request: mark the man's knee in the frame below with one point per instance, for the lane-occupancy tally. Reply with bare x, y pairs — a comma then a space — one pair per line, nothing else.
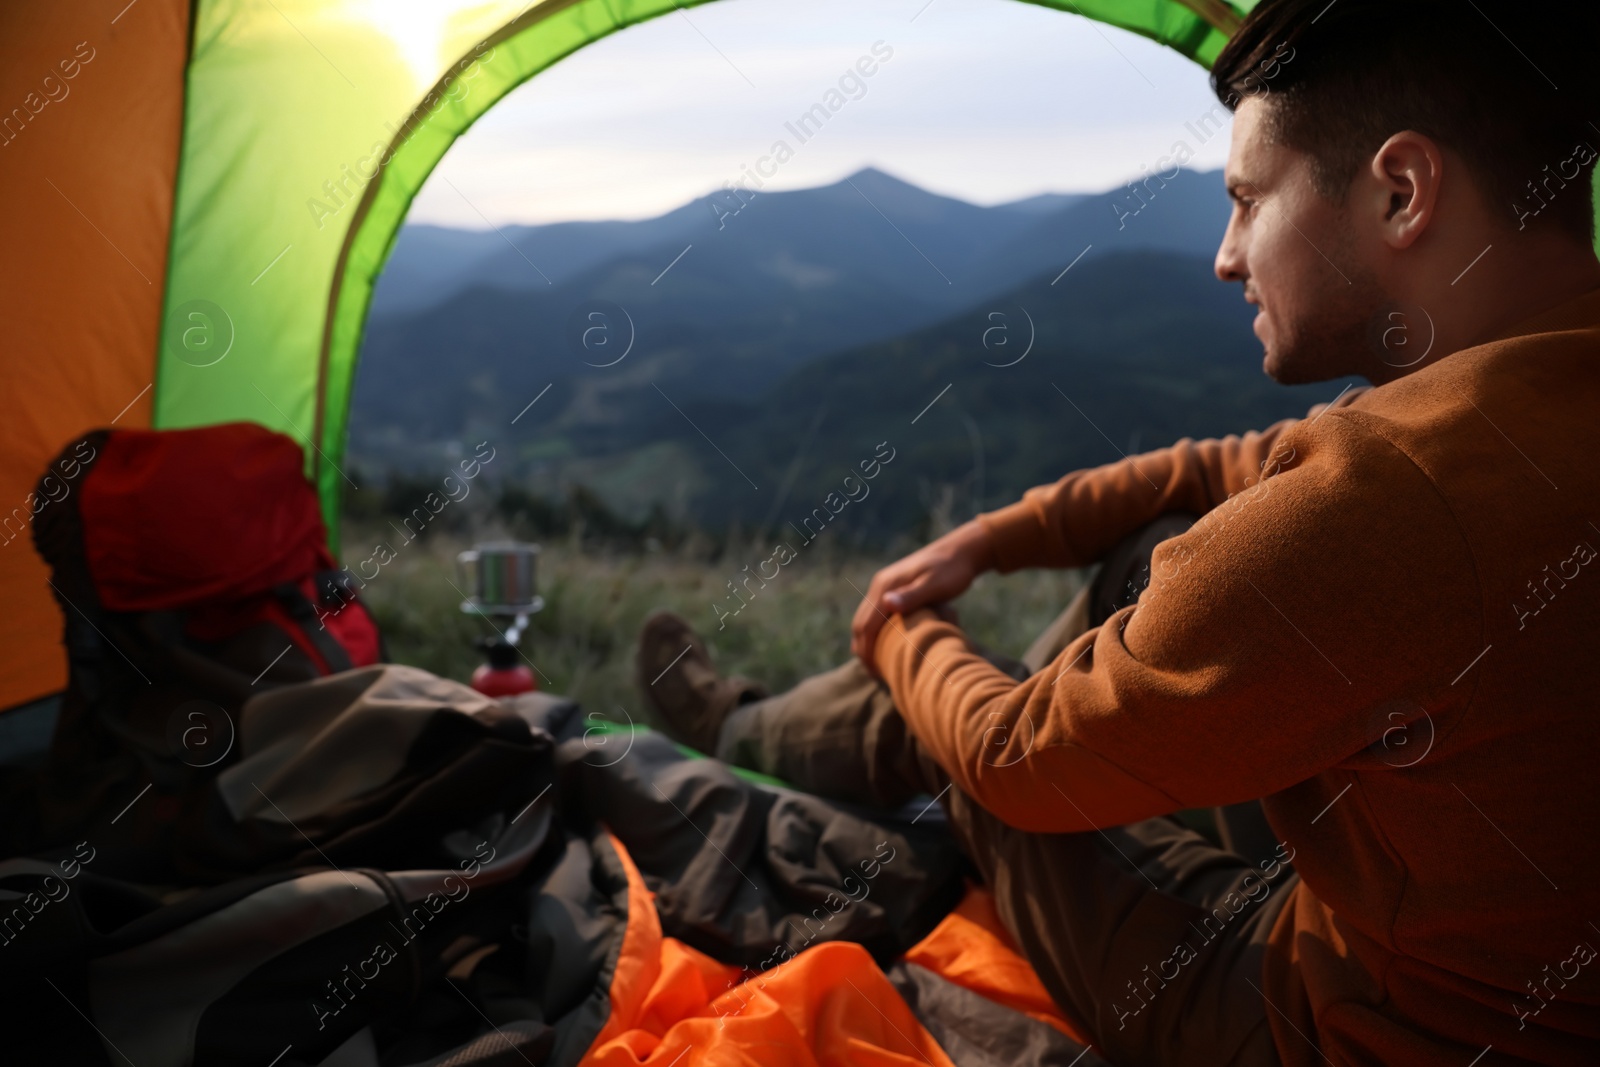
1125, 571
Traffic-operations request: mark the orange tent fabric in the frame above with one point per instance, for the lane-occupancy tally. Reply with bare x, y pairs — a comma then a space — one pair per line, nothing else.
91, 109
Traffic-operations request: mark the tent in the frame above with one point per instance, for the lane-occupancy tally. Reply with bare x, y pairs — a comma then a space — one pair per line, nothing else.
201, 194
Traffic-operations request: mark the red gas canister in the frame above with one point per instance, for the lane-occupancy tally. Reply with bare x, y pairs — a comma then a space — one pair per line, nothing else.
505, 674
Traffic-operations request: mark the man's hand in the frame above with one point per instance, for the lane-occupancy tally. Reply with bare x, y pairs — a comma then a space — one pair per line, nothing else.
929, 576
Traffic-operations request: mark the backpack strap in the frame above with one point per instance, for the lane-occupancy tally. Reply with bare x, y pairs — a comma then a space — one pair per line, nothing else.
303, 613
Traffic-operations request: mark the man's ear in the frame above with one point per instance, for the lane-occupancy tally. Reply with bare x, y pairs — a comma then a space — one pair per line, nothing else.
1403, 181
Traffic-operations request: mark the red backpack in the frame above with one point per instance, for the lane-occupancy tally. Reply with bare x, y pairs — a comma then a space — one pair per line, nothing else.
193, 572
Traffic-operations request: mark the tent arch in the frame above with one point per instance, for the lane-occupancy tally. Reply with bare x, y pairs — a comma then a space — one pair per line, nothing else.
311, 362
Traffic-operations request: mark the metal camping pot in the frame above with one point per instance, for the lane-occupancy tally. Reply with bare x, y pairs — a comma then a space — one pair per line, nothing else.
503, 578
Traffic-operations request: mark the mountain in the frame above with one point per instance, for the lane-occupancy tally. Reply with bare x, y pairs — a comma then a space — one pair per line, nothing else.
719, 304
1043, 204
430, 264
1141, 349
813, 325
1133, 352
894, 231
1186, 214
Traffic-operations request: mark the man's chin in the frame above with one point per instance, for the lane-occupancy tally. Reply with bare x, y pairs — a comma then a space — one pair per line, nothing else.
1272, 364
1284, 369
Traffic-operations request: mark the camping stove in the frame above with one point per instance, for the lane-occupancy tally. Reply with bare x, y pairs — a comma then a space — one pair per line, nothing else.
503, 583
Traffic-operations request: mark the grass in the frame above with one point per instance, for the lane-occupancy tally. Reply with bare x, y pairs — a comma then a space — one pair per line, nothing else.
582, 643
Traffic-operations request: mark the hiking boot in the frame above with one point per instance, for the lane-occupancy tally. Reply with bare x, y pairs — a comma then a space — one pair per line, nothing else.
675, 674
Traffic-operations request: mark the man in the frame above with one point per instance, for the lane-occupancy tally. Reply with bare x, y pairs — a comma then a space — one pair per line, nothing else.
1383, 624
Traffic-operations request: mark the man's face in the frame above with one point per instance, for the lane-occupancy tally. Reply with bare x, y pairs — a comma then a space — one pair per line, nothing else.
1299, 258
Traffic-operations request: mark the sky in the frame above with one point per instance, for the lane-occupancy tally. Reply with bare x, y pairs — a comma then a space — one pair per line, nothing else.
984, 100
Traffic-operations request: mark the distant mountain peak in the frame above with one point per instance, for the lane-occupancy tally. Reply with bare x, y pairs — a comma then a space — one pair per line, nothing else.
877, 176
886, 192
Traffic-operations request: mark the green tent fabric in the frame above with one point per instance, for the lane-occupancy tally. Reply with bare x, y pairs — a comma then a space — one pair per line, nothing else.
310, 126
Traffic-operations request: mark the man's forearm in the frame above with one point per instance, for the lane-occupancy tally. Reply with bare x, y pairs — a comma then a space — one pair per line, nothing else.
1204, 692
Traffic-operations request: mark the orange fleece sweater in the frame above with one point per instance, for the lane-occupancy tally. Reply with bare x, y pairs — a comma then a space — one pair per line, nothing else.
1385, 624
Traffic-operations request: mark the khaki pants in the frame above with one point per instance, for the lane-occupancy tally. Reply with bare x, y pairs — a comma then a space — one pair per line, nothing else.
1148, 936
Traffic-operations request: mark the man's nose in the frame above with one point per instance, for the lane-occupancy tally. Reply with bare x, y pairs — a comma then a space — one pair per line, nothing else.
1230, 263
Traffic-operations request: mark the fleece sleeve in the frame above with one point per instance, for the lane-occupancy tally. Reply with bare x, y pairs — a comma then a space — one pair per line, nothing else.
1271, 634
1076, 521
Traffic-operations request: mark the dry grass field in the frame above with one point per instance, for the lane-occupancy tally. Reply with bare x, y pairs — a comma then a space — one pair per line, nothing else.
582, 643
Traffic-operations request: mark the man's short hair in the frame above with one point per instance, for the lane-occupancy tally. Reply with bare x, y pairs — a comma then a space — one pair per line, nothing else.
1510, 87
